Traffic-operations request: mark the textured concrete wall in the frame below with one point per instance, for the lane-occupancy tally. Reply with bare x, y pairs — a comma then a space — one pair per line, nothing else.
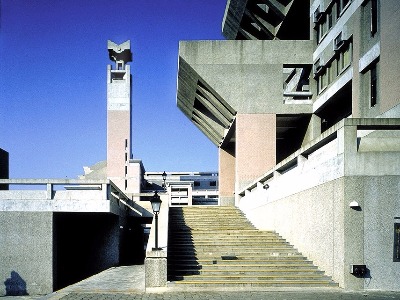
320, 223
381, 210
227, 175
312, 221
26, 259
255, 146
389, 60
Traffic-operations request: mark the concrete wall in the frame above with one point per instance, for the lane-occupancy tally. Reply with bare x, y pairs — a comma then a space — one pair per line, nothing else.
255, 146
26, 253
389, 59
320, 223
227, 175
381, 210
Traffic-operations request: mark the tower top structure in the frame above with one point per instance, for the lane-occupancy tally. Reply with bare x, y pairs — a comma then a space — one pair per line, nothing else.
120, 54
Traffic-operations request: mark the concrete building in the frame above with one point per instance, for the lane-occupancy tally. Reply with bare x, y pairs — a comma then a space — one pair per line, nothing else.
185, 188
302, 102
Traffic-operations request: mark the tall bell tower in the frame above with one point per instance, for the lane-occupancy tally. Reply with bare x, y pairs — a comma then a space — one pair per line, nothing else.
119, 113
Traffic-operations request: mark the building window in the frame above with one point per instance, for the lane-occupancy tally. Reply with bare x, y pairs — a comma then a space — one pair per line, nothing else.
373, 86
213, 183
324, 21
196, 183
344, 59
374, 17
396, 243
341, 6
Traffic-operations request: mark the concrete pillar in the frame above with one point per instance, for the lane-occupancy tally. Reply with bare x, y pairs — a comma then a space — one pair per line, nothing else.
227, 175
255, 146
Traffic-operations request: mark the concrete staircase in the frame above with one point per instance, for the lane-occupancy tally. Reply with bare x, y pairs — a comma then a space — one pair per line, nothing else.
212, 246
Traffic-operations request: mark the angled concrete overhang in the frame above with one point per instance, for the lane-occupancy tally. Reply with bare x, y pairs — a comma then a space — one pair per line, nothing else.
218, 79
264, 19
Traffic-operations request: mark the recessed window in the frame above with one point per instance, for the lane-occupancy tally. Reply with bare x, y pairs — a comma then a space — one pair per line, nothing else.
373, 86
374, 17
342, 5
213, 183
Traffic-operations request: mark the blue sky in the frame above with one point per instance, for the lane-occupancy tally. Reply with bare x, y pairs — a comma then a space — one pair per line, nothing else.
53, 61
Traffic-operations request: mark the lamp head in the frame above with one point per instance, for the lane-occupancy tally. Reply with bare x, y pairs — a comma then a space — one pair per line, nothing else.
156, 203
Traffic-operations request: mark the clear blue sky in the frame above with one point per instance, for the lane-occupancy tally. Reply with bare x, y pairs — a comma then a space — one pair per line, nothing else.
53, 61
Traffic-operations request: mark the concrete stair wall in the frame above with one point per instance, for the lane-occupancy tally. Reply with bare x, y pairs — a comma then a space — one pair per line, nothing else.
218, 246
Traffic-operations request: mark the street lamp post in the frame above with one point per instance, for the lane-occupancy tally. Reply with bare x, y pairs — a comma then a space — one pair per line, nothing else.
156, 205
164, 177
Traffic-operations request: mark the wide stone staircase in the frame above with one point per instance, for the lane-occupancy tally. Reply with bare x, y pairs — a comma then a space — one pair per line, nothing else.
212, 246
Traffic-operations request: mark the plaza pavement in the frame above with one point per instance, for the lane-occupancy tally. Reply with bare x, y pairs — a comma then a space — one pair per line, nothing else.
127, 282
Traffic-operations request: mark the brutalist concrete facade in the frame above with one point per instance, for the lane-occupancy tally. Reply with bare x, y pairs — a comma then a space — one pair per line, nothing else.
302, 102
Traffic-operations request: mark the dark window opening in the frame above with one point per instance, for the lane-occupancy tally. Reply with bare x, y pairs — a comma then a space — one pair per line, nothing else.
396, 243
213, 183
374, 17
373, 87
337, 108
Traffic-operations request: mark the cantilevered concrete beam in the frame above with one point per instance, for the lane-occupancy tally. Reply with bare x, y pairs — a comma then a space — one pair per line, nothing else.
262, 19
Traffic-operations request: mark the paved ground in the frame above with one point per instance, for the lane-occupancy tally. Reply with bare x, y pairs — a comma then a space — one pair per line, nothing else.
125, 283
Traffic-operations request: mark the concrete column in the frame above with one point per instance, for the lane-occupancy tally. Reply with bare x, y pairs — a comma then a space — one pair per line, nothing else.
227, 175
255, 146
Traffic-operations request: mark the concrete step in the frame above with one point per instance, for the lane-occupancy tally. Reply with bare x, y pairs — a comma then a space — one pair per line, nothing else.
249, 273
229, 243
258, 283
275, 261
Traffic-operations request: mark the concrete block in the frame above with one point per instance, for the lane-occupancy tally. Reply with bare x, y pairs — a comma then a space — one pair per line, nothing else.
156, 271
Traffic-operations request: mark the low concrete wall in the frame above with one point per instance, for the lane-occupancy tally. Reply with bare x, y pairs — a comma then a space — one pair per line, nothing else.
26, 253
